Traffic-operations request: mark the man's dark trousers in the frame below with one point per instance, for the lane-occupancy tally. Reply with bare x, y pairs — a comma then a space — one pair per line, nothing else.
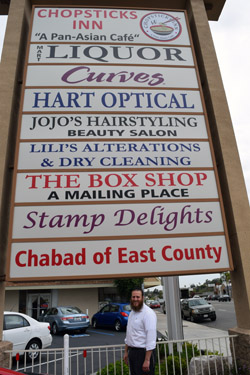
136, 357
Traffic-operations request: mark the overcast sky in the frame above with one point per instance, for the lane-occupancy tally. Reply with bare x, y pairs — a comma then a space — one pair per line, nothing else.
231, 35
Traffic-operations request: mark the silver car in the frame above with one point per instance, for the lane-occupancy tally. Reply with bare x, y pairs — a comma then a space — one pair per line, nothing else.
66, 318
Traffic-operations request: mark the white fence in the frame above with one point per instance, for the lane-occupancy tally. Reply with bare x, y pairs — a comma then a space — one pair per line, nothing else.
210, 356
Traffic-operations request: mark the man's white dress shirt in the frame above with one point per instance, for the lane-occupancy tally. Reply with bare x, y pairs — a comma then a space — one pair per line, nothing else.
141, 328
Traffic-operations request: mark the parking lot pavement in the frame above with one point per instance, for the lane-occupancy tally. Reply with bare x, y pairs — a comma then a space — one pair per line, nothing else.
190, 330
197, 333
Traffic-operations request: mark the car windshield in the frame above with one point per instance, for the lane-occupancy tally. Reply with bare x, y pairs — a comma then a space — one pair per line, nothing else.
127, 308
70, 310
197, 302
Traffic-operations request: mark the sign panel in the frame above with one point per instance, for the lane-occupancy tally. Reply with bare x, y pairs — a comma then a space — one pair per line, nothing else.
109, 26
116, 100
58, 126
116, 220
116, 186
113, 155
73, 53
115, 174
100, 75
156, 256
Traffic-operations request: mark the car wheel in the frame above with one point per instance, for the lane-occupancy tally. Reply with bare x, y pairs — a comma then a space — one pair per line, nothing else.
118, 325
213, 318
54, 329
33, 345
83, 330
192, 319
94, 323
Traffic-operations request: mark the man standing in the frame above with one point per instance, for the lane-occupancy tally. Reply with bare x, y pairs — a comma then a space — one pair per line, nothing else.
140, 338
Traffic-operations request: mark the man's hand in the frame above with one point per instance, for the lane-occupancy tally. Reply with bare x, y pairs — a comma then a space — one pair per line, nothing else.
125, 357
145, 366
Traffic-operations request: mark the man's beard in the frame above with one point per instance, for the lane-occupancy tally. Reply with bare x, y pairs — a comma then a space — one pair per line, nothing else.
137, 307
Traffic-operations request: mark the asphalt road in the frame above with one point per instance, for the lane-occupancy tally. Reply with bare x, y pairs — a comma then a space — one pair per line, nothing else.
225, 314
93, 337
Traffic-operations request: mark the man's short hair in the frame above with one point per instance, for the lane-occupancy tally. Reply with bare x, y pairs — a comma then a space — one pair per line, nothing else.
138, 288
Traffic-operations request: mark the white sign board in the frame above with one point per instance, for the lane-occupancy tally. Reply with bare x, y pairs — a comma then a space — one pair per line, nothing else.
71, 126
100, 75
156, 256
115, 186
115, 173
116, 100
73, 53
113, 155
121, 26
116, 220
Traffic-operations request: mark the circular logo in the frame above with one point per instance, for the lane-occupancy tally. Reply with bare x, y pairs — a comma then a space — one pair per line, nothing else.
161, 26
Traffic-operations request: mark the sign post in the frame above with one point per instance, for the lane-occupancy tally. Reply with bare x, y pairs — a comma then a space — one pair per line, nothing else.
173, 310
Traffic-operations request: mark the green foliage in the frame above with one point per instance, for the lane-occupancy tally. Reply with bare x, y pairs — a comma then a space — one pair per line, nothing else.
173, 365
110, 370
125, 286
225, 276
188, 350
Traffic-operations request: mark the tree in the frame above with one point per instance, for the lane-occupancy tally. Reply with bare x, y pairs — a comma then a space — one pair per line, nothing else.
226, 277
124, 286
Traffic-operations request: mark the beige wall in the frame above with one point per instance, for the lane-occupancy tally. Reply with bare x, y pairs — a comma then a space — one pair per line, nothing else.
11, 300
82, 298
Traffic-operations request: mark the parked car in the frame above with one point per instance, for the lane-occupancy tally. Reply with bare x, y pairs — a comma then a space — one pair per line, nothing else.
224, 297
113, 315
25, 333
197, 309
155, 305
66, 318
213, 297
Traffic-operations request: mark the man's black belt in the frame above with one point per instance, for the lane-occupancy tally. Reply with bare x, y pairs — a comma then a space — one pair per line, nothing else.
134, 348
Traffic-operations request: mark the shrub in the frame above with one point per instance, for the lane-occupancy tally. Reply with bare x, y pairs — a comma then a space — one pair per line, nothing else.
117, 369
173, 365
192, 351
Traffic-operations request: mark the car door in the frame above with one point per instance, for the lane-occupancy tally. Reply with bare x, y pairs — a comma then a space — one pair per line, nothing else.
104, 315
50, 316
113, 314
16, 330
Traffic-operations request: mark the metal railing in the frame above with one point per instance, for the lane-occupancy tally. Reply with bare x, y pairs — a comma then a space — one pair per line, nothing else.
207, 356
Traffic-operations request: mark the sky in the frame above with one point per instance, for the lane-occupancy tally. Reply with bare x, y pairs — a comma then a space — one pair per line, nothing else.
231, 35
